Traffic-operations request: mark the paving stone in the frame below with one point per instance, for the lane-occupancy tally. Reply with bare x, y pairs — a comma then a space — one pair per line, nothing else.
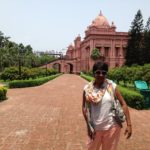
49, 117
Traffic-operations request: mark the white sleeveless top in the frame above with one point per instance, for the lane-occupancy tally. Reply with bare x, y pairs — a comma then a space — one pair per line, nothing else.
101, 115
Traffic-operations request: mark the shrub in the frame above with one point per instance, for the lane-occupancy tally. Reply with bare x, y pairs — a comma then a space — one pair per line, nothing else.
3, 92
12, 73
146, 72
130, 74
88, 78
51, 71
31, 82
132, 98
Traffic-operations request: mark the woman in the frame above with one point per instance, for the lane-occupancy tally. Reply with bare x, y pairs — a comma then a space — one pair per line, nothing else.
103, 129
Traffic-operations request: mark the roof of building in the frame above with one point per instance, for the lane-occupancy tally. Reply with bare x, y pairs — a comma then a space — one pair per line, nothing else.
100, 21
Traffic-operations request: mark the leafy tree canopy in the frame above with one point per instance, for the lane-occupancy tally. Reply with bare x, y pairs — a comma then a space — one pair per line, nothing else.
95, 54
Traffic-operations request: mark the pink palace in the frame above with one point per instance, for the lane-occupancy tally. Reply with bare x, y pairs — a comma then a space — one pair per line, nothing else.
100, 34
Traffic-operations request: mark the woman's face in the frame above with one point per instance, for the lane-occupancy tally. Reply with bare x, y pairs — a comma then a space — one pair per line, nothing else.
100, 75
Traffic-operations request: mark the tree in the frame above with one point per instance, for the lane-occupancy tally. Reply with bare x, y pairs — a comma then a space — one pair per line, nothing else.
13, 54
28, 50
45, 58
146, 49
1, 38
3, 51
134, 53
95, 54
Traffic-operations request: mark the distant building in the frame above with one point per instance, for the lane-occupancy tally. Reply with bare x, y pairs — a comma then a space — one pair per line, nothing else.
101, 35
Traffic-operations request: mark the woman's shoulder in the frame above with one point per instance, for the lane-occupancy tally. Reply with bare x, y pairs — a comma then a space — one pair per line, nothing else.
87, 85
111, 82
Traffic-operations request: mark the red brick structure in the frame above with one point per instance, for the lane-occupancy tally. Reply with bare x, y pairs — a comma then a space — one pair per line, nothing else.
100, 34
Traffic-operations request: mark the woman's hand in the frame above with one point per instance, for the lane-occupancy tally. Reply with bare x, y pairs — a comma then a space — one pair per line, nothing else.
90, 98
91, 134
128, 131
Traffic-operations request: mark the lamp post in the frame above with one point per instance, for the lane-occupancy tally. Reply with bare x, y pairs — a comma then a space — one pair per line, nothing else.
19, 61
46, 68
19, 66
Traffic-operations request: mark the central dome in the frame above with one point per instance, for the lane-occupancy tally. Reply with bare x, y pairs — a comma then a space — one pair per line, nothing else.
100, 21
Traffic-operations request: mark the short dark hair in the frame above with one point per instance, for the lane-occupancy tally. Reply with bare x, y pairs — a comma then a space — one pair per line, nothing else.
100, 66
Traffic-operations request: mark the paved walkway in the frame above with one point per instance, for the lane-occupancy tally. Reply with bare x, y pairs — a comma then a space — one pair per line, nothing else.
49, 117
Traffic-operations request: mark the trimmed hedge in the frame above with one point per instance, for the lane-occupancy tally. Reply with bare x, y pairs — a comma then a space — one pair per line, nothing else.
12, 73
31, 82
3, 92
86, 77
132, 98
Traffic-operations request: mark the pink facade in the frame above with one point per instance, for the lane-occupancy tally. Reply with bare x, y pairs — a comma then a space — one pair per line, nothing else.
100, 34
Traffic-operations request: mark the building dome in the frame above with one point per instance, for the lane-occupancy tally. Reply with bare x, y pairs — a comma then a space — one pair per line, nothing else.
100, 21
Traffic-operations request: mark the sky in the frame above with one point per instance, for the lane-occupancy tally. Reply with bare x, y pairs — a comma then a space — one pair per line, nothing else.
54, 24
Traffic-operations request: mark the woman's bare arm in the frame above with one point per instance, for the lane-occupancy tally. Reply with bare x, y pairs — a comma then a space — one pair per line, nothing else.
128, 131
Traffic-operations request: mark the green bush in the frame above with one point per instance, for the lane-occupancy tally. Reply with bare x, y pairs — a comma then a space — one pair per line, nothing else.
51, 71
88, 78
130, 74
146, 72
12, 73
132, 98
31, 82
3, 92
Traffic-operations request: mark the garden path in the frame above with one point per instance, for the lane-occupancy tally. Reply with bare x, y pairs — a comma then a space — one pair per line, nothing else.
49, 117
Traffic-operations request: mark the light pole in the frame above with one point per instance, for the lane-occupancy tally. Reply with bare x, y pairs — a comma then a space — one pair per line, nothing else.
46, 68
19, 61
